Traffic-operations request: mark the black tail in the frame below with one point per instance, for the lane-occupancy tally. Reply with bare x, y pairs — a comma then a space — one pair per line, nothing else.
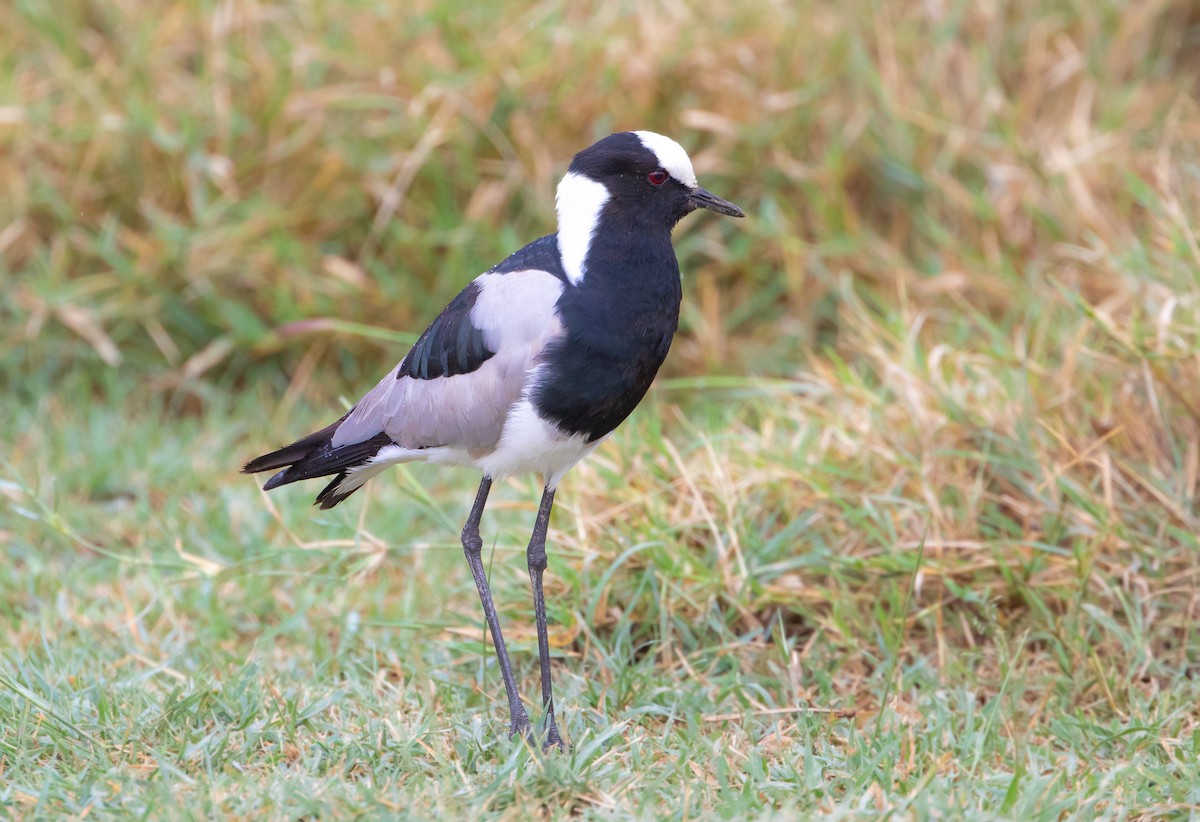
315, 456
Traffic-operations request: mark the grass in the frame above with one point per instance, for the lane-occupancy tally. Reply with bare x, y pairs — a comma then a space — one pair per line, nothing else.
907, 527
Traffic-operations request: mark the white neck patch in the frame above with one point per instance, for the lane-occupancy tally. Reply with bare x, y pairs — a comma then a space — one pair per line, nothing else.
671, 156
579, 201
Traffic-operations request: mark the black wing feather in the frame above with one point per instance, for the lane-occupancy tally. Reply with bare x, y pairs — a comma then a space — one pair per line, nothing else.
451, 345
315, 456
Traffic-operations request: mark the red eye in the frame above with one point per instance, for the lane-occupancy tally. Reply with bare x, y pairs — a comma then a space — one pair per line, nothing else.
657, 177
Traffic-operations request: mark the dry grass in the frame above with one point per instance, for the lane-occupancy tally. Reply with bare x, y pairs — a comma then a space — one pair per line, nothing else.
949, 500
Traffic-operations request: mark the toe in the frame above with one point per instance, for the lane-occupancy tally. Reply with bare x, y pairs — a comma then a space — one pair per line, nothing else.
553, 740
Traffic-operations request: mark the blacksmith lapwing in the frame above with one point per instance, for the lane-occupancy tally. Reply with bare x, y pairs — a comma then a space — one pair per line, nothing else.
534, 363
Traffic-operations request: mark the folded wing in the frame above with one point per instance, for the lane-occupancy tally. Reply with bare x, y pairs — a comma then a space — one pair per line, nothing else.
456, 386
453, 390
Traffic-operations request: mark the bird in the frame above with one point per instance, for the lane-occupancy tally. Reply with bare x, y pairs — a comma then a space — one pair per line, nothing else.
532, 365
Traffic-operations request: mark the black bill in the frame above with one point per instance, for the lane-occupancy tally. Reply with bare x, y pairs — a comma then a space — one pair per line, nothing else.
706, 199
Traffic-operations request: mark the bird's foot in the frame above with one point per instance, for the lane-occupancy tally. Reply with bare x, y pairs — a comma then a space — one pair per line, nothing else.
553, 739
520, 726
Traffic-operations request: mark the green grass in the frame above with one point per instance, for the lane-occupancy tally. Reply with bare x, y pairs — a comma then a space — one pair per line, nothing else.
174, 638
908, 527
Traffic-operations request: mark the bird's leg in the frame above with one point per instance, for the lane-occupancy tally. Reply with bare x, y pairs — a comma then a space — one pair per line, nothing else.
536, 555
473, 546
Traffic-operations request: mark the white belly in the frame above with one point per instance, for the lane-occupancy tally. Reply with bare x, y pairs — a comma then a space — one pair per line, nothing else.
528, 445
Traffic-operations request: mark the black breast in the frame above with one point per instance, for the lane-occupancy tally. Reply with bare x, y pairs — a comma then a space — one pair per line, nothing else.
618, 325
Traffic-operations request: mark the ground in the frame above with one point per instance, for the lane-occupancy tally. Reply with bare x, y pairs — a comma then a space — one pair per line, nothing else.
908, 525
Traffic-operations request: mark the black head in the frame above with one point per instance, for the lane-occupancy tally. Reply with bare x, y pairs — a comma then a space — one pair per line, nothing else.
635, 180
646, 176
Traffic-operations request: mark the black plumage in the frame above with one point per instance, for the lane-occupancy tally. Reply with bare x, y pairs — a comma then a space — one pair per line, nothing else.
618, 326
527, 371
314, 456
451, 345
542, 254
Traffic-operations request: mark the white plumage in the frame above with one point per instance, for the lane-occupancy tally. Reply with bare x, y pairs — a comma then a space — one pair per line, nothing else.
531, 366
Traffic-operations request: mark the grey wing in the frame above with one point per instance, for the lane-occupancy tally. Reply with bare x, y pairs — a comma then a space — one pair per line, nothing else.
456, 386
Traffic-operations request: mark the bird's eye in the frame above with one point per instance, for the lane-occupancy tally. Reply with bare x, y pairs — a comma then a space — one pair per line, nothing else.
657, 177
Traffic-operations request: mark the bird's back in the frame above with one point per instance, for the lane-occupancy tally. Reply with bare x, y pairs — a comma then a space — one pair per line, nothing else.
457, 385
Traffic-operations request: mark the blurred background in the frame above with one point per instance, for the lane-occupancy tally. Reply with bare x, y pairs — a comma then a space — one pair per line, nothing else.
183, 180
931, 420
